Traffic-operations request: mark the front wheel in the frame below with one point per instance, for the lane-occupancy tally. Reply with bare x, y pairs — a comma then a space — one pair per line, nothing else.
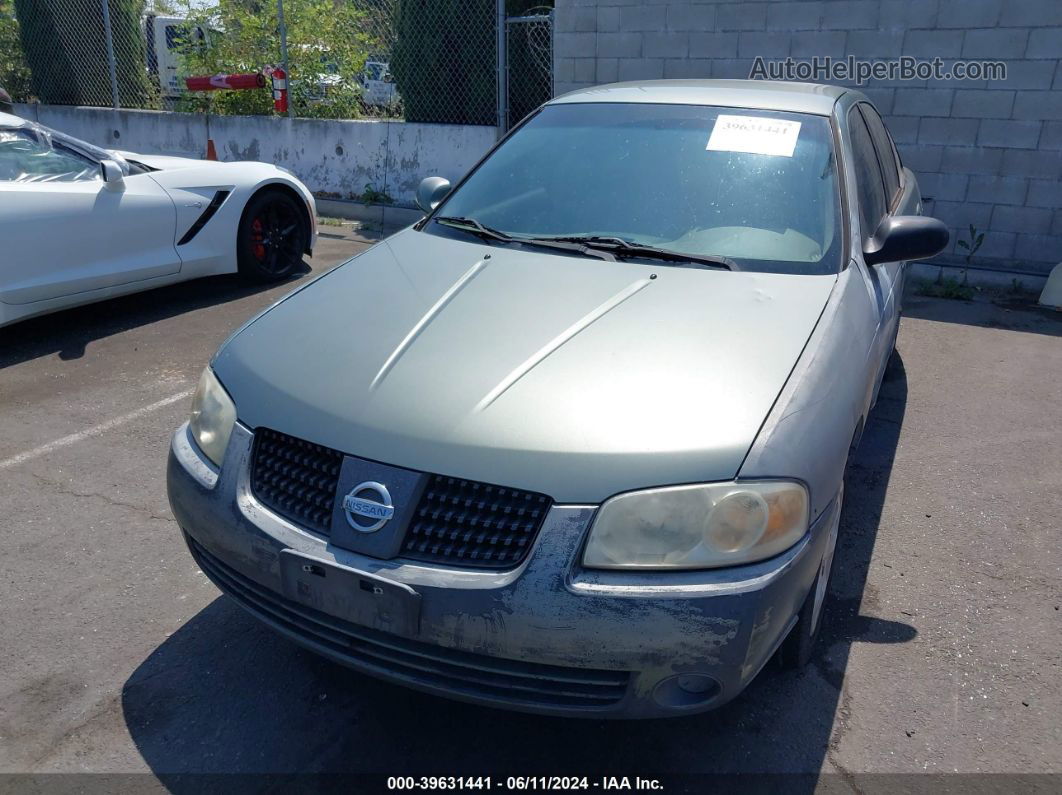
271, 238
796, 650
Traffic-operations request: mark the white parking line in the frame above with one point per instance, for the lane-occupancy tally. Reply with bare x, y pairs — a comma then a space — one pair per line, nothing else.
95, 430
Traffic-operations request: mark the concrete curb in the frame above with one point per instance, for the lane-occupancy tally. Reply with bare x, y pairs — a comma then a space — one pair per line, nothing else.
382, 215
978, 277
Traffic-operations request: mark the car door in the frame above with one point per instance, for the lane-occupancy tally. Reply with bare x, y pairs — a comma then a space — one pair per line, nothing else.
902, 199
892, 177
873, 206
65, 231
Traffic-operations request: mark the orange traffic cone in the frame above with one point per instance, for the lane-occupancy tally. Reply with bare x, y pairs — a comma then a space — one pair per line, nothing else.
212, 153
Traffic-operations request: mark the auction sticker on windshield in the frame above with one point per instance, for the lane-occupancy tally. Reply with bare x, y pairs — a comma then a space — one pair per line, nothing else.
755, 135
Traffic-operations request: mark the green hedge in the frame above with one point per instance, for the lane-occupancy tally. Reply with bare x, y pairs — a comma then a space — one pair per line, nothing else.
444, 60
65, 48
14, 74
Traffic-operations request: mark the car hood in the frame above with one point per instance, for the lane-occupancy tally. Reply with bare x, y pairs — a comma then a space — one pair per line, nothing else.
574, 377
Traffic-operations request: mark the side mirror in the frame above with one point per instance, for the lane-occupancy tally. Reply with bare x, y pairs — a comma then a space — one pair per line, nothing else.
431, 191
112, 173
905, 237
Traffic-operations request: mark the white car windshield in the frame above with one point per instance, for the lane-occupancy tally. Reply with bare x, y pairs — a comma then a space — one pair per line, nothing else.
28, 155
35, 153
758, 187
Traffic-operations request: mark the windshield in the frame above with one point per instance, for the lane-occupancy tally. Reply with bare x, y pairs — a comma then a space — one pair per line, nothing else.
30, 155
35, 153
758, 187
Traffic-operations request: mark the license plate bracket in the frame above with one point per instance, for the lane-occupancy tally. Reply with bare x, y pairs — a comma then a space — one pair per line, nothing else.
349, 594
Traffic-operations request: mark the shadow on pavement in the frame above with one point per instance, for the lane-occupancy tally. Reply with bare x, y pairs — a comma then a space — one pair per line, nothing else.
69, 331
363, 232
225, 695
1002, 312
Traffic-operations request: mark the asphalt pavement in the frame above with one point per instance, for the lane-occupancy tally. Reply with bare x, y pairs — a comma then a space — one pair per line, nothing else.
941, 650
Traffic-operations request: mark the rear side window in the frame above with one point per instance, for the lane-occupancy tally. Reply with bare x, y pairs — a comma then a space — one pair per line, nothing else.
890, 169
871, 188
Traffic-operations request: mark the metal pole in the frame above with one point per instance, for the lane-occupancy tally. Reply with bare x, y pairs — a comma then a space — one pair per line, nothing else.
284, 54
503, 87
112, 70
552, 50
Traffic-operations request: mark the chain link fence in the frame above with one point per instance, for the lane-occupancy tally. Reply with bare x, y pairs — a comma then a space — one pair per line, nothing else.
416, 60
529, 62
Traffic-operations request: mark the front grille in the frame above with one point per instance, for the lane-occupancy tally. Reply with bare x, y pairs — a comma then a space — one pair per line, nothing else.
295, 478
458, 522
497, 679
474, 524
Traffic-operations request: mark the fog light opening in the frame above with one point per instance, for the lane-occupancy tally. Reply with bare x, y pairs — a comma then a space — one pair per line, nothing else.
696, 685
685, 691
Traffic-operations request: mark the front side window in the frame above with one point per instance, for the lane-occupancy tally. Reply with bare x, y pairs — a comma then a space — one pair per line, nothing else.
871, 188
29, 155
890, 168
680, 177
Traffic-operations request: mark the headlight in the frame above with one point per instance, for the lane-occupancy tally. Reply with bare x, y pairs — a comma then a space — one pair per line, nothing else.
213, 415
697, 527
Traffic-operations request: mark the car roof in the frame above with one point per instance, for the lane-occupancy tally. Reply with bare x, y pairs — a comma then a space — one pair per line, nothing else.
814, 98
8, 120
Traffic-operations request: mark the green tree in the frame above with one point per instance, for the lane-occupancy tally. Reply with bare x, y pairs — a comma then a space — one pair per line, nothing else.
328, 44
14, 74
444, 60
64, 44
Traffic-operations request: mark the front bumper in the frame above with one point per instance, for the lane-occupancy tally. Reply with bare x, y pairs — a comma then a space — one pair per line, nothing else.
546, 637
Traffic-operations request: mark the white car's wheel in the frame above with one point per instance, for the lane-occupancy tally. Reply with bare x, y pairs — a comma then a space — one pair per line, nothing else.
272, 237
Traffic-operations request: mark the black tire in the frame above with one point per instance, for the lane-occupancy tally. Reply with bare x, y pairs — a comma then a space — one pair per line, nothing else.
797, 649
271, 238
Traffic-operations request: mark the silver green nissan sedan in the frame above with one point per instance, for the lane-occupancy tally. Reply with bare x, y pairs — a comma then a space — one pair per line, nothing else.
574, 443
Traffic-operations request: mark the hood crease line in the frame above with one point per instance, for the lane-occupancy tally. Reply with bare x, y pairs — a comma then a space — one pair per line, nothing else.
426, 320
538, 356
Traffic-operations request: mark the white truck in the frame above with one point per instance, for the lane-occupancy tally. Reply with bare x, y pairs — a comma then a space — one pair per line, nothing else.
167, 38
378, 85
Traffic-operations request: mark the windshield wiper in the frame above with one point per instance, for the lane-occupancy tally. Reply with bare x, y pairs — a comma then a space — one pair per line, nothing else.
475, 227
619, 247
600, 246
472, 226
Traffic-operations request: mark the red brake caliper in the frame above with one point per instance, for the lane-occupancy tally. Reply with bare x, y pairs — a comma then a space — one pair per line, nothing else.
256, 239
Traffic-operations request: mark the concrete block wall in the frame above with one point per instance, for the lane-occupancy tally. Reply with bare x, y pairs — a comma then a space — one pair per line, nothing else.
334, 157
988, 153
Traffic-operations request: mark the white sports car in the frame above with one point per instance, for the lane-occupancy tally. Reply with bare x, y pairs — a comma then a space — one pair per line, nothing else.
81, 224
